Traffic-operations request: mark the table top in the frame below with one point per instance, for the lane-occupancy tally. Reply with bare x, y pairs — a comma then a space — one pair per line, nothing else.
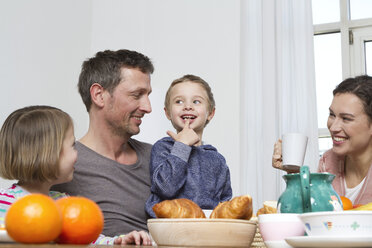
19, 245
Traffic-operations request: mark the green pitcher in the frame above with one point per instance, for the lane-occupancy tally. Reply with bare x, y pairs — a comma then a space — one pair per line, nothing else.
309, 192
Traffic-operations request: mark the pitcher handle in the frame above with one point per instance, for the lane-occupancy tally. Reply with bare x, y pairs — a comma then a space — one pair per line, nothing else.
305, 188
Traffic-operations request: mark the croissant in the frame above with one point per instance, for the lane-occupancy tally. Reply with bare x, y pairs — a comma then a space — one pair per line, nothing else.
178, 208
239, 207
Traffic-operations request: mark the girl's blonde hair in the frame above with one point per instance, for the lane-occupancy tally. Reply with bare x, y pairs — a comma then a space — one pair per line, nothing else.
31, 140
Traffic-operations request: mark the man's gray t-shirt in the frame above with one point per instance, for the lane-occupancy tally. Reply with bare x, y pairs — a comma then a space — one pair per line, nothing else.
120, 190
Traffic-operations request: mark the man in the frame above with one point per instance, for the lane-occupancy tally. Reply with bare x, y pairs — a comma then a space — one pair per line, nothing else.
112, 168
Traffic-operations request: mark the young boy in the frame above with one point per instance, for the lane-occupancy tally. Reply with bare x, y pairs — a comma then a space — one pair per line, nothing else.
181, 165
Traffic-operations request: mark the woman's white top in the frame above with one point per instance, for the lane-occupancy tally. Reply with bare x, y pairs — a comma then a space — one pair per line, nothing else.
352, 193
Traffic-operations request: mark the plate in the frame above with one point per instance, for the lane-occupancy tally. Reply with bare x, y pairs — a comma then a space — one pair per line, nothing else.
328, 241
277, 244
207, 212
4, 237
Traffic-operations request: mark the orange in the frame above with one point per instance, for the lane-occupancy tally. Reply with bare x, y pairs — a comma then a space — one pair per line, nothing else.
82, 220
357, 205
346, 203
34, 218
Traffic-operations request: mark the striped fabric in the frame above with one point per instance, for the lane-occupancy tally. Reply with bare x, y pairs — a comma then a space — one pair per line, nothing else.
7, 197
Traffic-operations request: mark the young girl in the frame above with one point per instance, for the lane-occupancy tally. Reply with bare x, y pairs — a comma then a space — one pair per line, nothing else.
181, 165
37, 149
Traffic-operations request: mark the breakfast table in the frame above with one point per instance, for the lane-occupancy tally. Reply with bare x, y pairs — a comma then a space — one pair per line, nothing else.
19, 245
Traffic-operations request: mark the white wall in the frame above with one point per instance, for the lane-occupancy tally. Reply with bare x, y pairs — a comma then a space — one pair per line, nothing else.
43, 44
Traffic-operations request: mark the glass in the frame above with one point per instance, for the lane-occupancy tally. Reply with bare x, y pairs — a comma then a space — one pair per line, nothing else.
360, 9
368, 51
328, 71
325, 11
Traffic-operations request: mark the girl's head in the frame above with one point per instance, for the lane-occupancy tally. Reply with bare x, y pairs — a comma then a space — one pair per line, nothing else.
32, 141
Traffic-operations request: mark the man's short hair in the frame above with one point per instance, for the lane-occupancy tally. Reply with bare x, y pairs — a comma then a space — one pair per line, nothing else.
105, 69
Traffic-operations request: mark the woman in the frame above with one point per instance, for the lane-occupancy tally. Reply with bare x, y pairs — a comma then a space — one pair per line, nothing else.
350, 126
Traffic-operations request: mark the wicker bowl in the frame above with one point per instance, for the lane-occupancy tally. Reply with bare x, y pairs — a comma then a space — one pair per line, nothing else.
202, 232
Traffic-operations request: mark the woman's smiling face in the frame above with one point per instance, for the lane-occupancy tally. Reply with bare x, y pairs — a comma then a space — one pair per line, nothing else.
349, 125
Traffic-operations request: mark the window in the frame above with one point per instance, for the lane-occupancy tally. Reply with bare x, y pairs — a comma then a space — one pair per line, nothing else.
368, 48
360, 9
342, 47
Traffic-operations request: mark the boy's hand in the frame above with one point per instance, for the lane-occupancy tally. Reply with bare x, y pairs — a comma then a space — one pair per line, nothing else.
134, 238
186, 136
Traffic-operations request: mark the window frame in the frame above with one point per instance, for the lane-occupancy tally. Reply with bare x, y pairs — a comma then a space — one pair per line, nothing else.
352, 47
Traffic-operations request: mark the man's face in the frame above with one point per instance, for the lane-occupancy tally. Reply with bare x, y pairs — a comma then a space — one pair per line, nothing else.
128, 103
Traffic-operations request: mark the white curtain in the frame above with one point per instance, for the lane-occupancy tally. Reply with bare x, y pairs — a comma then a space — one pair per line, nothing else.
278, 89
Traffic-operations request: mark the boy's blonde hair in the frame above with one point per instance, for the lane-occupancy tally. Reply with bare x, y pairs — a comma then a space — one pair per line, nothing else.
194, 79
31, 140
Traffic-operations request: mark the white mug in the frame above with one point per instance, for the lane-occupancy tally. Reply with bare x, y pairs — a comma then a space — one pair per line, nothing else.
293, 149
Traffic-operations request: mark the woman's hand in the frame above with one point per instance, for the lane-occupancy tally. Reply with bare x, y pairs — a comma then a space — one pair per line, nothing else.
277, 160
277, 155
134, 238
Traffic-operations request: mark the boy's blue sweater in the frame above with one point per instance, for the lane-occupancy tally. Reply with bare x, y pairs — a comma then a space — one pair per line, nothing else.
198, 173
